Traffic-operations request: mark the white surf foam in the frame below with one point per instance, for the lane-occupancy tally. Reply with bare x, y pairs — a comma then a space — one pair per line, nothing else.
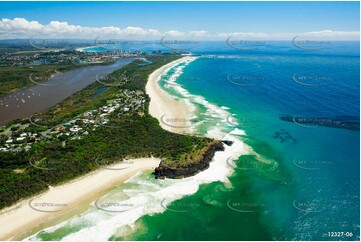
237, 131
152, 196
101, 225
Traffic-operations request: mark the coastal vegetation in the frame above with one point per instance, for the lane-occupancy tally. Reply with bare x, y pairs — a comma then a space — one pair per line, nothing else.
92, 129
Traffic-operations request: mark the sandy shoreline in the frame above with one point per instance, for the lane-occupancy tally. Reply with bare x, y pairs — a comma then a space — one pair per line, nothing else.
173, 115
30, 213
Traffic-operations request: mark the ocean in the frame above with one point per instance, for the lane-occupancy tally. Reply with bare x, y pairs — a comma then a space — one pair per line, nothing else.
280, 180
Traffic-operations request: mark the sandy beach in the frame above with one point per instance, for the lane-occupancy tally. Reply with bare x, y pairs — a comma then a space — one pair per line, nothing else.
30, 213
173, 115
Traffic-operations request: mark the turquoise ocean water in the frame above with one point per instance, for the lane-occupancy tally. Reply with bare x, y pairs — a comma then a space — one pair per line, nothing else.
279, 181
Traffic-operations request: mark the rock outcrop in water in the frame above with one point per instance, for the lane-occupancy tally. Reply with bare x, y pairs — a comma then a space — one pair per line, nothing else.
341, 122
164, 171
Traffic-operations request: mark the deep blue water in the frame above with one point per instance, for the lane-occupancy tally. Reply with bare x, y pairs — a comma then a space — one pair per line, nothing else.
321, 163
332, 48
315, 189
300, 183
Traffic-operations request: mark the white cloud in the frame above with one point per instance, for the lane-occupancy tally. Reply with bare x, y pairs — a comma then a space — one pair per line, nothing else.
19, 24
134, 31
174, 33
333, 34
23, 28
199, 33
154, 32
20, 27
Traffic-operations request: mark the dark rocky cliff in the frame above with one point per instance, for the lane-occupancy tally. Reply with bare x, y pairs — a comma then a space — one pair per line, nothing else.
163, 171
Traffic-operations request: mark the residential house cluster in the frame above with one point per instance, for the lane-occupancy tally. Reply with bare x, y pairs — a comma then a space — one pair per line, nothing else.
15, 139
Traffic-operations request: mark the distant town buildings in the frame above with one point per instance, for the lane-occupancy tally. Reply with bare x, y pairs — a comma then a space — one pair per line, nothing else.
62, 57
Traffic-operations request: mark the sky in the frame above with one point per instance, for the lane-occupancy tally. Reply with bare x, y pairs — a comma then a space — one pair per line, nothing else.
192, 20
